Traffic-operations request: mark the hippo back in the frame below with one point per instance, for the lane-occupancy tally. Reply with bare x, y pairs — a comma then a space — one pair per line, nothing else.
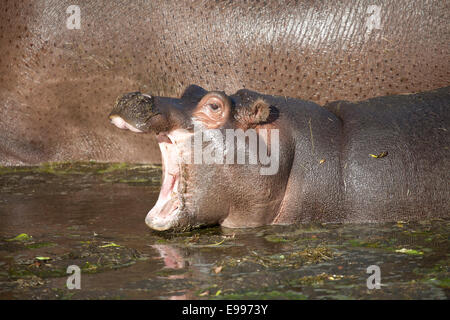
394, 156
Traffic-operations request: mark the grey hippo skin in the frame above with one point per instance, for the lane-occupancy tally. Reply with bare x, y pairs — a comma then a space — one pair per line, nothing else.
382, 159
56, 83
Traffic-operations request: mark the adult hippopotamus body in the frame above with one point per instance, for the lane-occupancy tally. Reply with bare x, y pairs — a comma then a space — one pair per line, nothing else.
383, 159
62, 62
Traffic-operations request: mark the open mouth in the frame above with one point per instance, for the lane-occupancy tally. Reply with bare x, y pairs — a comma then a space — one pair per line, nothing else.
164, 213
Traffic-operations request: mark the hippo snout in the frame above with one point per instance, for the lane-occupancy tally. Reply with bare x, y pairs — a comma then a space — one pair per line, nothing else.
132, 111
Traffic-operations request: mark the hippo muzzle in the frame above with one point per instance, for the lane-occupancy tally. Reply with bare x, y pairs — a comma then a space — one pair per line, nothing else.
132, 111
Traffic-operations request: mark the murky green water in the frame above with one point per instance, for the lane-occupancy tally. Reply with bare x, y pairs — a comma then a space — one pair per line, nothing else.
92, 215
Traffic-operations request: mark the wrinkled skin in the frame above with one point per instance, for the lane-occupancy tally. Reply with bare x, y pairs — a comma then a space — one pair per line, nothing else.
56, 84
383, 159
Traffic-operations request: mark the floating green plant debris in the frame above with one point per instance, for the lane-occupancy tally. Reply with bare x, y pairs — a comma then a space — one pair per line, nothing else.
114, 167
14, 169
21, 237
217, 243
276, 239
316, 280
409, 251
43, 258
111, 244
40, 245
88, 267
443, 283
288, 260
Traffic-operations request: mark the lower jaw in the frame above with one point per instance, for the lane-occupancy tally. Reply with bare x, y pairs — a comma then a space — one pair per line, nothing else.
176, 221
166, 213
163, 222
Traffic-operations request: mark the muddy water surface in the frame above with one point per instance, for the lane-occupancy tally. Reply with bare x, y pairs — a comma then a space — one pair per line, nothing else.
92, 215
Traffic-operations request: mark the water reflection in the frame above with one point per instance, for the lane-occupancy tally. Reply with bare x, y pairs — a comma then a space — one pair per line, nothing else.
171, 257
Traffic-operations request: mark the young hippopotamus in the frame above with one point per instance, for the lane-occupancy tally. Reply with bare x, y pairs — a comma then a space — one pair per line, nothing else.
384, 159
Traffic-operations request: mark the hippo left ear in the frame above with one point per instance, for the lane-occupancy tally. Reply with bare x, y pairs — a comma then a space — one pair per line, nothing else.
194, 93
257, 113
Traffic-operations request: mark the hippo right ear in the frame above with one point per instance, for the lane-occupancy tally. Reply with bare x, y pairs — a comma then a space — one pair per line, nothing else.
193, 93
257, 113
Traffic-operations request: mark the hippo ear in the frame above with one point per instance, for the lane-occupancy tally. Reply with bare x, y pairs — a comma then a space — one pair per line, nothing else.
257, 113
260, 110
194, 93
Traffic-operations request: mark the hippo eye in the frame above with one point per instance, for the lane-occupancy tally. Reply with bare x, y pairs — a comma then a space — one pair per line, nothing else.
213, 106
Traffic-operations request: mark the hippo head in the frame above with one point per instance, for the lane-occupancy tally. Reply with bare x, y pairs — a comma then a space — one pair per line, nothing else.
196, 190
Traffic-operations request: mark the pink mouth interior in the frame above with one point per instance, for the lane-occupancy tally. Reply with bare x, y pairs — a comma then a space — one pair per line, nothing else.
164, 212
168, 200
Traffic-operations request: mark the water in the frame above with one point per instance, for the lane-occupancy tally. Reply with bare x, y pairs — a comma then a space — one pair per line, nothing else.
92, 215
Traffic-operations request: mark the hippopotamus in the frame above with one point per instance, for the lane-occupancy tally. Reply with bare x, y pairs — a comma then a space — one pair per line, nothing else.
382, 159
62, 62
